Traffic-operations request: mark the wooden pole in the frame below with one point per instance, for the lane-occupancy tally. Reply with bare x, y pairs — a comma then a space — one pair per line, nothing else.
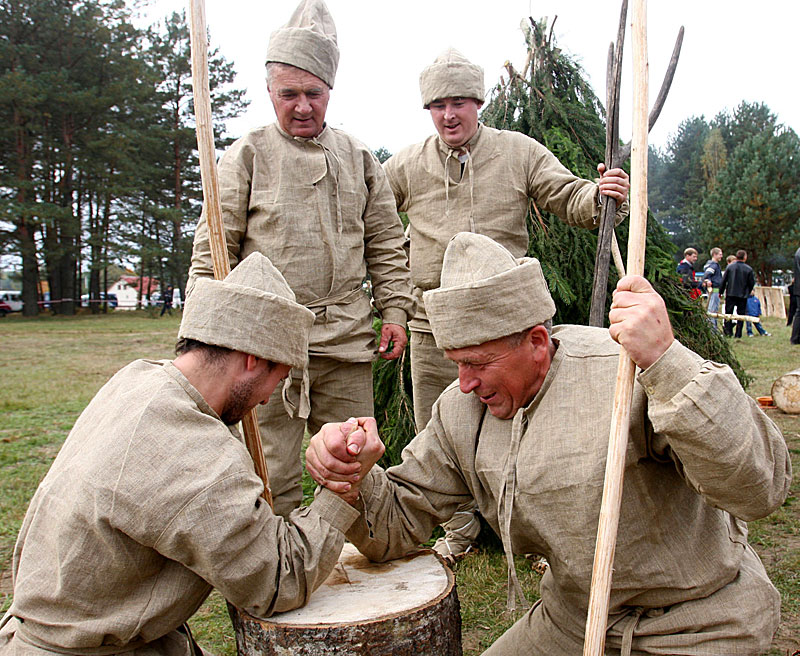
211, 202
597, 616
608, 211
616, 160
735, 317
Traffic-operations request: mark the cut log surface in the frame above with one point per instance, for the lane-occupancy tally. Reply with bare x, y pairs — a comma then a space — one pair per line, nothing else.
402, 607
786, 392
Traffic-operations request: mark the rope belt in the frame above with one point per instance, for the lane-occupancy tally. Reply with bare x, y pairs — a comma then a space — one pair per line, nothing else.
318, 307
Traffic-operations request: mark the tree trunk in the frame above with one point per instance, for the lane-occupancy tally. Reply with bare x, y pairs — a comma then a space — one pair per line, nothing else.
30, 271
405, 607
24, 230
177, 271
69, 230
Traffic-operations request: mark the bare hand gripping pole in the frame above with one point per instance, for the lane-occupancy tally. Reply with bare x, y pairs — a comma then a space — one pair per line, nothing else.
597, 616
211, 202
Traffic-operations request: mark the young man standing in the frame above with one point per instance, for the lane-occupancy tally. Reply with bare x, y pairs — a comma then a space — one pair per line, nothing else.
712, 279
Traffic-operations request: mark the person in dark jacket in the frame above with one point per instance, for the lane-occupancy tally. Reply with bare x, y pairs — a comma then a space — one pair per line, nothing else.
737, 283
795, 299
686, 272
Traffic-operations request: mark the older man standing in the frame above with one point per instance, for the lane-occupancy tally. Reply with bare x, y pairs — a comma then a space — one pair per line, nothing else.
316, 202
153, 498
524, 432
472, 177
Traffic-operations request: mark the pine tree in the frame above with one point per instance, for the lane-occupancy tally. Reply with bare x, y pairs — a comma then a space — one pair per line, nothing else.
756, 199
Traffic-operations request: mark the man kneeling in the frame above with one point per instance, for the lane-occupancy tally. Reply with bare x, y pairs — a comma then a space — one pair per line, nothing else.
153, 498
524, 431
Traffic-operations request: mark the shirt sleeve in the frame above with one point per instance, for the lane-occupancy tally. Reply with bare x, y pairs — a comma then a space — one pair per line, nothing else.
387, 262
235, 173
229, 536
394, 175
401, 506
556, 189
728, 449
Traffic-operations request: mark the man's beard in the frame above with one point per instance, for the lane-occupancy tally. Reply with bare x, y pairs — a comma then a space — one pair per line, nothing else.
238, 403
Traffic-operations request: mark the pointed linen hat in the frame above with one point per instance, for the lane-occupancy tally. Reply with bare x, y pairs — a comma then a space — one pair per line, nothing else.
307, 41
253, 310
486, 293
451, 76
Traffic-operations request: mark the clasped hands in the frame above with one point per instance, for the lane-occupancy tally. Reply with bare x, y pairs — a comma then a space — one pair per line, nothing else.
341, 455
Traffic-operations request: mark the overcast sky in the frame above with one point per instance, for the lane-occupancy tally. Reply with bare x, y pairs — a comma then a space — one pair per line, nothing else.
732, 51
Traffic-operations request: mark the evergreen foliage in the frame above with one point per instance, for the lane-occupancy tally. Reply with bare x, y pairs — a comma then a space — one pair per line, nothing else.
96, 143
754, 203
394, 404
681, 183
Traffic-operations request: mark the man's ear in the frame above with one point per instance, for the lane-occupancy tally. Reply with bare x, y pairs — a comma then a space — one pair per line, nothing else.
539, 337
251, 362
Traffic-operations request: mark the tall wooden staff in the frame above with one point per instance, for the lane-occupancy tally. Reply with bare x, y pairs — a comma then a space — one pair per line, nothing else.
615, 158
211, 202
597, 617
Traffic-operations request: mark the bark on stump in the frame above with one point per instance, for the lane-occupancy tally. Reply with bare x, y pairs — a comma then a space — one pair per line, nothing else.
404, 607
786, 392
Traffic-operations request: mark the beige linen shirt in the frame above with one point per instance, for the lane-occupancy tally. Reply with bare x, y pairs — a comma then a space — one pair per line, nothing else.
701, 458
490, 195
321, 210
152, 501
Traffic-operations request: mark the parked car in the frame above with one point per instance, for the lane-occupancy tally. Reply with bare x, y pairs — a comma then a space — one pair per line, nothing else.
13, 299
5, 308
111, 298
155, 299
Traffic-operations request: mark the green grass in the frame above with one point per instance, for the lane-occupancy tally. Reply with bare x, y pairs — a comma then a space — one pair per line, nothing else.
52, 366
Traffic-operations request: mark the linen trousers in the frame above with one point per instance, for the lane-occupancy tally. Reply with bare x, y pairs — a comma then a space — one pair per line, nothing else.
338, 390
431, 373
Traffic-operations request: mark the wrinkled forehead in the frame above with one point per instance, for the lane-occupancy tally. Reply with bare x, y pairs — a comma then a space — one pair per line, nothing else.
455, 100
285, 76
480, 353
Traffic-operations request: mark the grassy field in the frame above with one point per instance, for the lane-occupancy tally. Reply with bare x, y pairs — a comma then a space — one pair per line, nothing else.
53, 366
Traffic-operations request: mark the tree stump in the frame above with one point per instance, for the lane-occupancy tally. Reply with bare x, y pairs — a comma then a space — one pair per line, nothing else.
786, 392
404, 607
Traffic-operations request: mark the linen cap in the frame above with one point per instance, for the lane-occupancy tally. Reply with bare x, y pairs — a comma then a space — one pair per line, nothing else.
307, 41
451, 75
253, 310
486, 293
